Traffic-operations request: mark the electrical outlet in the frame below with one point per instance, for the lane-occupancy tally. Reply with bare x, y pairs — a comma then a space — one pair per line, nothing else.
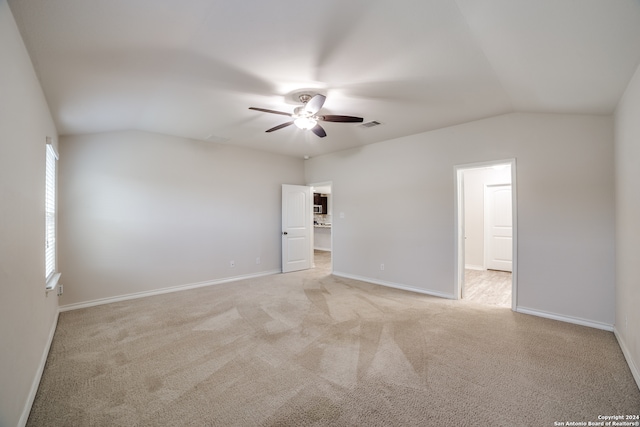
232, 263
258, 260
381, 266
60, 290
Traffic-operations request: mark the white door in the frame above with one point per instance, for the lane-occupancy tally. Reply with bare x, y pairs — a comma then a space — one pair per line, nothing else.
499, 228
297, 228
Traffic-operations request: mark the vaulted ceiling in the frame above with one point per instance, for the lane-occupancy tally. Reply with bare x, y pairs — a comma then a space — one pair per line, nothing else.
191, 68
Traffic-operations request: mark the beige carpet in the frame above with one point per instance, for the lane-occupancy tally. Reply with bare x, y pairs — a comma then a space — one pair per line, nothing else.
307, 348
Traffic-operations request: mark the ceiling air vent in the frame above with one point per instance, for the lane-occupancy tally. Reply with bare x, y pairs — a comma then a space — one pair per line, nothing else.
370, 124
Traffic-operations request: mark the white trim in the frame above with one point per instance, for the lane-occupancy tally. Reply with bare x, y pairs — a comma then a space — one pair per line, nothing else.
564, 318
627, 355
109, 300
31, 397
394, 285
49, 142
474, 267
52, 282
514, 234
459, 232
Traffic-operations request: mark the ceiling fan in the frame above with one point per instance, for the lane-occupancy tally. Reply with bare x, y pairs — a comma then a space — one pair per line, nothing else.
306, 116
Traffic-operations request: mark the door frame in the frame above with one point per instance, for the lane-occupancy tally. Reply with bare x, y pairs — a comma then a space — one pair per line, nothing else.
459, 231
324, 184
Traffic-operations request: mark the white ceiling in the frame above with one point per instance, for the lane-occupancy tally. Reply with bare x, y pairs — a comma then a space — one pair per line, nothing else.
192, 68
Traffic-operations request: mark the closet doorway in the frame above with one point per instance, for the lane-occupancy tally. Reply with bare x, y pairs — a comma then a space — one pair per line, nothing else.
486, 233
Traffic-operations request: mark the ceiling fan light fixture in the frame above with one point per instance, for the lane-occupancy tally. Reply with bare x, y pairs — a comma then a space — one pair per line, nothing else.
305, 122
306, 116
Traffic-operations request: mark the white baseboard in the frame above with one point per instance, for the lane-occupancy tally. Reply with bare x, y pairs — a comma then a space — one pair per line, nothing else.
564, 318
109, 300
36, 380
474, 267
394, 285
635, 371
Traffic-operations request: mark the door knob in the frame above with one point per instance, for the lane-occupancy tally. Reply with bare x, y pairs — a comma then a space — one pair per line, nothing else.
285, 233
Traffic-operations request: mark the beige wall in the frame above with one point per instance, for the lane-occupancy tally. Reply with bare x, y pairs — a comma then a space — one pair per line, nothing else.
141, 212
27, 314
398, 196
627, 162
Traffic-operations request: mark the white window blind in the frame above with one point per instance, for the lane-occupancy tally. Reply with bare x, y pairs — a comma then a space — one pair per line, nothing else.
50, 211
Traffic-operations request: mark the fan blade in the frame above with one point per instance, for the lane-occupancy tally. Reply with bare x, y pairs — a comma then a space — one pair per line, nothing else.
284, 125
341, 119
317, 129
315, 104
264, 110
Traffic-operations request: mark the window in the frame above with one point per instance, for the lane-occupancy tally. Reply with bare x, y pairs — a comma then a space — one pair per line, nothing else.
50, 216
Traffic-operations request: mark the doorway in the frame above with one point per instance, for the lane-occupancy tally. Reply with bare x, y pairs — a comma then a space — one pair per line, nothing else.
486, 233
323, 225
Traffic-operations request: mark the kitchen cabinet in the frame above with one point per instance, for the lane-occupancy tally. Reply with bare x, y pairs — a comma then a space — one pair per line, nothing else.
322, 237
320, 200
